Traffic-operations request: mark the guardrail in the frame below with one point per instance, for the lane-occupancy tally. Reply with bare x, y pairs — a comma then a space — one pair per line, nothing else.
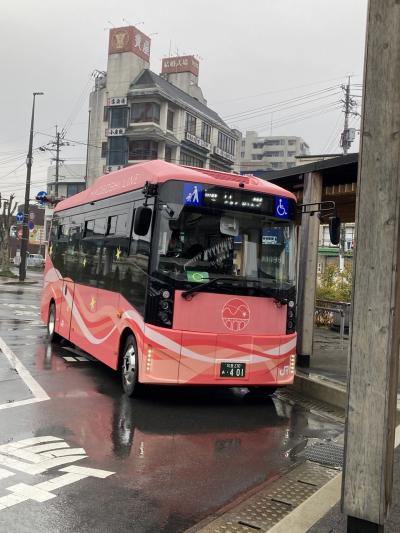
325, 311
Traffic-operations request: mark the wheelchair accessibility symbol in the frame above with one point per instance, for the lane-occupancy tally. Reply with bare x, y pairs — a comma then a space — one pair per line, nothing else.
282, 207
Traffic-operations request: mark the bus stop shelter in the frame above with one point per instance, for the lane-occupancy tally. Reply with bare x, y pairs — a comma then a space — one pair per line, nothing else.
331, 179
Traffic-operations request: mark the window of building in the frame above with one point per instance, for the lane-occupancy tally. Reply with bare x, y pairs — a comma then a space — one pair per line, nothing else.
291, 165
145, 112
170, 120
168, 154
143, 150
118, 152
190, 160
274, 142
226, 143
277, 165
104, 149
190, 124
105, 113
242, 155
74, 188
206, 132
118, 117
257, 145
291, 153
292, 142
274, 154
243, 142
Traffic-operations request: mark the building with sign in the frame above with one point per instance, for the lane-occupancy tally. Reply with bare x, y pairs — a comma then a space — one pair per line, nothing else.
137, 115
271, 152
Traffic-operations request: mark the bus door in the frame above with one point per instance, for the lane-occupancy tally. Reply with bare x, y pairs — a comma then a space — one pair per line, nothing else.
65, 311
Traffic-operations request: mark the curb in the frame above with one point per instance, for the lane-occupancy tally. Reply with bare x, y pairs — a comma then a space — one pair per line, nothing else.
320, 388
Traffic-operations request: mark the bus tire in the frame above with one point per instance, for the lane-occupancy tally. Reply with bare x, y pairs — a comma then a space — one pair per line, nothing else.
130, 367
51, 324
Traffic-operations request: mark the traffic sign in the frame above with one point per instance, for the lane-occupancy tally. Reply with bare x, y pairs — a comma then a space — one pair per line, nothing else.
19, 217
31, 225
41, 197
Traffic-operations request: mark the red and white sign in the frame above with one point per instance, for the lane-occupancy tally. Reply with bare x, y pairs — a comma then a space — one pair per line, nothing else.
180, 64
129, 39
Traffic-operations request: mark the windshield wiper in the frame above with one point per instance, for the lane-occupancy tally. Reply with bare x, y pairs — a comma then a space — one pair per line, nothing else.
199, 288
279, 294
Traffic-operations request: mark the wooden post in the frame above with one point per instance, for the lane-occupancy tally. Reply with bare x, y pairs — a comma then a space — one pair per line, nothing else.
308, 254
374, 343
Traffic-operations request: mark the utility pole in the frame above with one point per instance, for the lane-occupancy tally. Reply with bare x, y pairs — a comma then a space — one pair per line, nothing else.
25, 229
57, 144
375, 333
348, 134
57, 162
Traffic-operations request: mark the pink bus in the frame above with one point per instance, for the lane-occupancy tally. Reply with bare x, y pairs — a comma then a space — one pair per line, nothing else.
177, 275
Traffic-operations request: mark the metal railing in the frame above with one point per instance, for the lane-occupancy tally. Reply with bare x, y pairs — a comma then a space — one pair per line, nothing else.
325, 311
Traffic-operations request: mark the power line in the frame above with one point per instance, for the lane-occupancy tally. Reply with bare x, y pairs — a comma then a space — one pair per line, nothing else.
281, 90
282, 102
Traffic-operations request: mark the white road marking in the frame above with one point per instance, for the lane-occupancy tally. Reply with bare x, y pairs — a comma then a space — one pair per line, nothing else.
87, 472
38, 449
69, 359
5, 473
38, 392
83, 359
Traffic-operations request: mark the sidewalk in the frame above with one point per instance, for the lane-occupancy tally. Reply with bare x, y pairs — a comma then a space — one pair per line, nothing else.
32, 276
329, 361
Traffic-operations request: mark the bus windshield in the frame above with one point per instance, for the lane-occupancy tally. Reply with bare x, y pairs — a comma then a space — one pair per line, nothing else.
199, 243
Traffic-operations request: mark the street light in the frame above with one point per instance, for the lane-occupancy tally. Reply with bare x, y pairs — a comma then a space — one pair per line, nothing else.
25, 232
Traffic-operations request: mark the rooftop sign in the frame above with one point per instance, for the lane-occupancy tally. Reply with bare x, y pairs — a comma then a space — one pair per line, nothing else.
180, 64
129, 39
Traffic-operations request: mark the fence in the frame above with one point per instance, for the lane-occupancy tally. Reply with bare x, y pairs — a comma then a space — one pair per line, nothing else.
329, 313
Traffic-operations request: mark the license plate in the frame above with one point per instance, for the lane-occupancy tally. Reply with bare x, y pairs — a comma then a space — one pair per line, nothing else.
232, 370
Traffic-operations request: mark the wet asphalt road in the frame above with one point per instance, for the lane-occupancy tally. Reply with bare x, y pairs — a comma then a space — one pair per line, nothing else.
171, 458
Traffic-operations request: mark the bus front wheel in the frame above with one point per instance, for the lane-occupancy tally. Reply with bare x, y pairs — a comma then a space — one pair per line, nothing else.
51, 324
129, 367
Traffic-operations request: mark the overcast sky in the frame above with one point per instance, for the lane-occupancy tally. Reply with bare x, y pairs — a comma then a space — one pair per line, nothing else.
252, 55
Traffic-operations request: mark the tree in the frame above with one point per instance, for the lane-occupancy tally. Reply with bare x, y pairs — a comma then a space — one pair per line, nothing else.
7, 210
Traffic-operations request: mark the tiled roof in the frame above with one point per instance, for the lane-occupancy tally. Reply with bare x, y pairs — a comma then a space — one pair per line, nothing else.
147, 78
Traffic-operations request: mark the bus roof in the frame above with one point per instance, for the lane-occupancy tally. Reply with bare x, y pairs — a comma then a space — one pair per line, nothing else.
158, 171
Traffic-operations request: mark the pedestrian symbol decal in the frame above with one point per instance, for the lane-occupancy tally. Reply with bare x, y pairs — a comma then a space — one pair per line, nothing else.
281, 207
35, 456
193, 194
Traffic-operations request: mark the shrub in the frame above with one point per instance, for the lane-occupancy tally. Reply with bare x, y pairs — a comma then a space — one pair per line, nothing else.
335, 285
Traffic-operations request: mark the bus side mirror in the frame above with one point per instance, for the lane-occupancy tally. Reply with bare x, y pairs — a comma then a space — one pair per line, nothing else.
142, 219
334, 229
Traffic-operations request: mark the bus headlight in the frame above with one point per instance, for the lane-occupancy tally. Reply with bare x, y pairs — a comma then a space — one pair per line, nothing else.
291, 316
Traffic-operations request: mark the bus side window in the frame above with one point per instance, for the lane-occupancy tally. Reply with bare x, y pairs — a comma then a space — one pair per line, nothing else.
90, 251
72, 255
61, 246
114, 252
136, 266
